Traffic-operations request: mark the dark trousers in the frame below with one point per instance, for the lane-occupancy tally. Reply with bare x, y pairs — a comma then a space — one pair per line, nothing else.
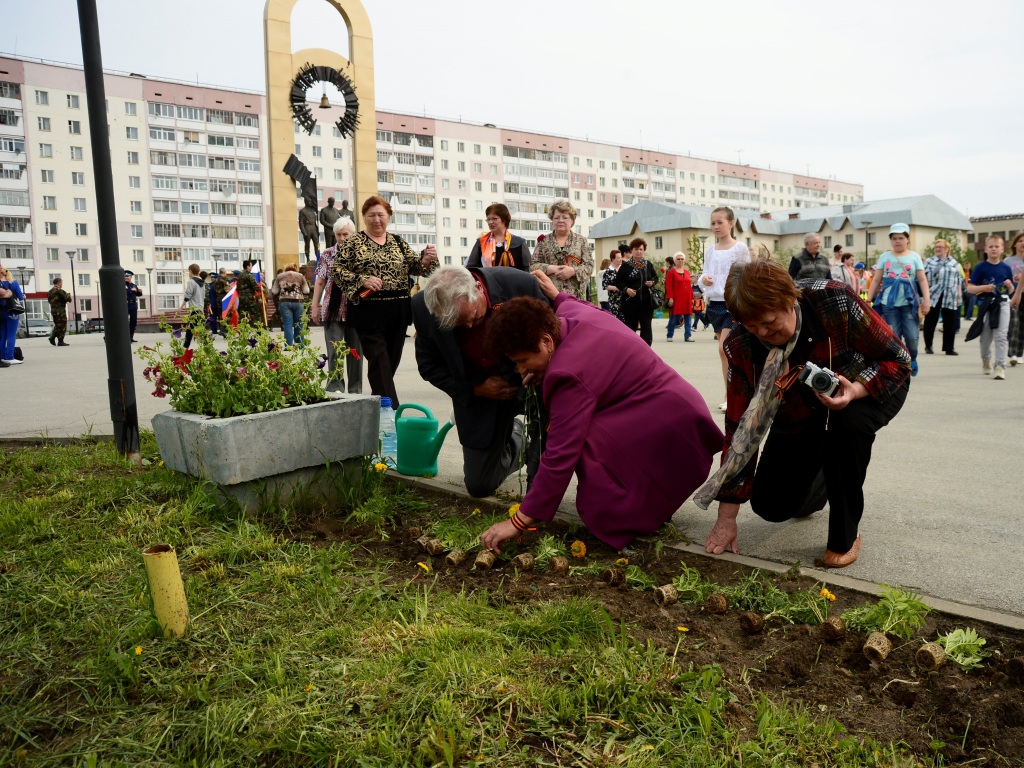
636, 315
798, 472
194, 320
133, 319
315, 240
329, 239
949, 327
485, 469
382, 348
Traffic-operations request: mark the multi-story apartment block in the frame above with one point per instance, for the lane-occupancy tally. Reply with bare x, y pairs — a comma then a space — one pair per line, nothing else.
191, 180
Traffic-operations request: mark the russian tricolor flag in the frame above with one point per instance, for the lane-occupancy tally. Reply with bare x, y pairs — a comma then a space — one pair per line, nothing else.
256, 273
229, 304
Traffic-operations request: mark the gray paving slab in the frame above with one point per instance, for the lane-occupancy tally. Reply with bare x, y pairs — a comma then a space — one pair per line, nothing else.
943, 495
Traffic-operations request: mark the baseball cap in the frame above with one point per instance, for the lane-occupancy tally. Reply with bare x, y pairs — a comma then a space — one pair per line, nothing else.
899, 229
859, 265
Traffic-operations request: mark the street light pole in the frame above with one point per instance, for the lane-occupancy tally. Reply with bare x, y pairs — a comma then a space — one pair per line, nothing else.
23, 281
149, 277
867, 241
74, 296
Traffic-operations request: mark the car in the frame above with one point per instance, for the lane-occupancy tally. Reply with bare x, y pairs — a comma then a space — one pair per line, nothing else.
38, 327
93, 324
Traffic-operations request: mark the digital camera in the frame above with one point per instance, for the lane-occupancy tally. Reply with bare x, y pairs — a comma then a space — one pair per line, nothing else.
819, 379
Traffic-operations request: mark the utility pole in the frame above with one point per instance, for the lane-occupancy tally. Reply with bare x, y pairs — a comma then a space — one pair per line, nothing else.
120, 377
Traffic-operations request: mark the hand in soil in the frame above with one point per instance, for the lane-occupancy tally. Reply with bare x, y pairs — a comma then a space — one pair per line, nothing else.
723, 537
498, 533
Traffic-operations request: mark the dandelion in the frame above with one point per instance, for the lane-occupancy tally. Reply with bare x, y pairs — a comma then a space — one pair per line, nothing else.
827, 595
578, 549
424, 566
501, 689
310, 687
512, 510
380, 466
622, 562
138, 650
683, 629
161, 463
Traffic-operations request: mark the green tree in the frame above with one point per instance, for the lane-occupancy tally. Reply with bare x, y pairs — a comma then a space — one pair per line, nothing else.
953, 238
694, 255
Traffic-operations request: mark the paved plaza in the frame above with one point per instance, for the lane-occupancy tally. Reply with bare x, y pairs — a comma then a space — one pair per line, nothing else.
944, 492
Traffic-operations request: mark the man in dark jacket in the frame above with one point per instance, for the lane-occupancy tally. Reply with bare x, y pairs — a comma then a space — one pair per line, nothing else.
451, 315
810, 262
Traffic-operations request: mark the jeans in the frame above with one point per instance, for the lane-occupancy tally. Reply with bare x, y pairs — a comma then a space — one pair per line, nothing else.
675, 320
903, 321
292, 313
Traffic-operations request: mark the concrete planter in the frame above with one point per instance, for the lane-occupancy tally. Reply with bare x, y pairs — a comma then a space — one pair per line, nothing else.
247, 456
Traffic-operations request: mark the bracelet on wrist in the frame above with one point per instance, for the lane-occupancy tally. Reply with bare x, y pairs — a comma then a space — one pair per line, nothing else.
519, 525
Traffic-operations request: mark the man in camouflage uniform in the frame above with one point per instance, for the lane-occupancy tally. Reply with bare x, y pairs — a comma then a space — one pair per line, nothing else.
250, 299
59, 300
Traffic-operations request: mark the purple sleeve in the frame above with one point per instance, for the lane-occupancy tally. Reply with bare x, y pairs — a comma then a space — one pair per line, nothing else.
571, 407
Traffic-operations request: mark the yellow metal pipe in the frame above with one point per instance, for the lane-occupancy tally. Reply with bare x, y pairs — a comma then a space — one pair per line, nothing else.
166, 588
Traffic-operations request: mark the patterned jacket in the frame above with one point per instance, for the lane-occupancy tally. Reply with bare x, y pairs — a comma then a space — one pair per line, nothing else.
840, 332
575, 253
945, 281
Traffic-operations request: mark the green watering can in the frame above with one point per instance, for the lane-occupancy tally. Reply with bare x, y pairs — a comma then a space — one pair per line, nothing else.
419, 441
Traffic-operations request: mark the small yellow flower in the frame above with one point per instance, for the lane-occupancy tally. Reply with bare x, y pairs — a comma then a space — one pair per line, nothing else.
381, 466
23, 752
310, 687
501, 689
476, 511
622, 562
683, 629
578, 549
827, 595
512, 510
138, 650
424, 566
161, 463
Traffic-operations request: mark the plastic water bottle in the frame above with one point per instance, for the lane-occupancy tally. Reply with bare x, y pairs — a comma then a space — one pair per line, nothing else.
388, 433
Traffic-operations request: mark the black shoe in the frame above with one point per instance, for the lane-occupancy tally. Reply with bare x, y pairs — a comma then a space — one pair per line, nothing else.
63, 344
952, 352
928, 351
4, 364
133, 340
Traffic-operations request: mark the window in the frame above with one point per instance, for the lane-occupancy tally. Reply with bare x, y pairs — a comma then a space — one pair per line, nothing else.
462, 166
444, 165
83, 254
849, 241
462, 203
84, 305
78, 178
338, 174
45, 150
318, 151
47, 177
43, 123
168, 278
76, 153
828, 241
43, 98
135, 206
462, 183
190, 137
220, 141
81, 229
84, 279
74, 126
134, 182
131, 133
461, 146
478, 186
220, 163
168, 302
161, 110
50, 228
223, 209
133, 158
166, 230
871, 238
140, 280
476, 149
190, 113
249, 165
191, 161
446, 202
658, 242
130, 108
250, 210
52, 254
137, 231
219, 116
157, 157
79, 203
138, 255
172, 253
72, 101
49, 203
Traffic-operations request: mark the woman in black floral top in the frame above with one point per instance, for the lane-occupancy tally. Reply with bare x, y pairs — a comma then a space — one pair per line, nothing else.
373, 268
564, 255
608, 283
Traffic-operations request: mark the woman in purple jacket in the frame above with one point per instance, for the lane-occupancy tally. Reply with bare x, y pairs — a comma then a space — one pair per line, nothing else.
612, 402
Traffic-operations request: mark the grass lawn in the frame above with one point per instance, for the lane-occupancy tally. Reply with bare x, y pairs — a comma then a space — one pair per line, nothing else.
299, 654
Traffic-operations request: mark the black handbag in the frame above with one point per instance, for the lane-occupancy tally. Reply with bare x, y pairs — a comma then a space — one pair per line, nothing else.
15, 306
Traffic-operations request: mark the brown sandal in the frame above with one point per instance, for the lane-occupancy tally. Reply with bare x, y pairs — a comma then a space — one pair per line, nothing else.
841, 560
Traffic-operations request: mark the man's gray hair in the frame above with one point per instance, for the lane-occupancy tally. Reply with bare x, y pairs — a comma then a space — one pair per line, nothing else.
341, 223
445, 292
810, 236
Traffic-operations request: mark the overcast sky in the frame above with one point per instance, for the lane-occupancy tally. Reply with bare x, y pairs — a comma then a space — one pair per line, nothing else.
907, 98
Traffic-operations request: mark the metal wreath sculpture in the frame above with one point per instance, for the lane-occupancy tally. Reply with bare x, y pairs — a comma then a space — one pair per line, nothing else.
307, 78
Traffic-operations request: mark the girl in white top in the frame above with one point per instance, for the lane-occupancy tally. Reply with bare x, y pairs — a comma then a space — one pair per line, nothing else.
718, 260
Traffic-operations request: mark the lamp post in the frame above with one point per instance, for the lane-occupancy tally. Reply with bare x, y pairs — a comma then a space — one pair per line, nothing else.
149, 279
867, 240
74, 296
24, 275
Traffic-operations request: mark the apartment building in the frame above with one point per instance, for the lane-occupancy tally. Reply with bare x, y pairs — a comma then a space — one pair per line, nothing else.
191, 180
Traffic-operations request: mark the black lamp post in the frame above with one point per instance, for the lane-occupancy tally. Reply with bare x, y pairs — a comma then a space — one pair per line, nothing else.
74, 296
24, 275
149, 277
867, 241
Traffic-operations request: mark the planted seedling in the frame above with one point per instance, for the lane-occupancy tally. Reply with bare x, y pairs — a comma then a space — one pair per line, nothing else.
547, 550
963, 646
898, 612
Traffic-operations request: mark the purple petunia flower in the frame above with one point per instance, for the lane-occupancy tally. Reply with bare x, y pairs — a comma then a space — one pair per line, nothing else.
223, 354
270, 347
177, 333
252, 342
321, 363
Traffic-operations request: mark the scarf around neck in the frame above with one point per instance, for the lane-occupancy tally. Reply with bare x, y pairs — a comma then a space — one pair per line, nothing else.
756, 420
488, 246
